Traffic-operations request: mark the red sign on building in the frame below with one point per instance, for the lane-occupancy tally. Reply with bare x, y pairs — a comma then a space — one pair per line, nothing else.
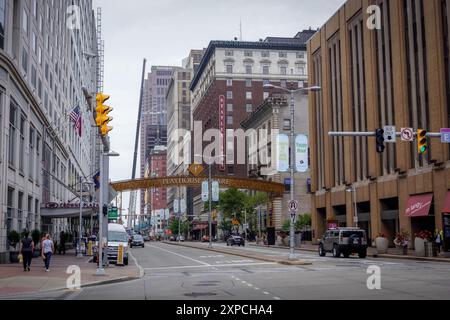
222, 128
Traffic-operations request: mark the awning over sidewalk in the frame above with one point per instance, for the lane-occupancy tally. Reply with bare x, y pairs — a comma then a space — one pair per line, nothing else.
447, 204
200, 228
59, 213
419, 206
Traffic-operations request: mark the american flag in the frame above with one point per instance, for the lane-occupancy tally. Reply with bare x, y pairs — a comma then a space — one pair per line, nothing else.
75, 117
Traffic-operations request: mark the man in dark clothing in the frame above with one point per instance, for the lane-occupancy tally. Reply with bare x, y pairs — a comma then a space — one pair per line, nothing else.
26, 249
62, 243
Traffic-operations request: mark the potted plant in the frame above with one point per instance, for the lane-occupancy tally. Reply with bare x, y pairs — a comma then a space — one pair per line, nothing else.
13, 239
422, 238
401, 242
382, 243
36, 236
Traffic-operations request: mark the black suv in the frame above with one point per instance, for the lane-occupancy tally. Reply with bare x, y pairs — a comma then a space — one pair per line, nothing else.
235, 240
344, 241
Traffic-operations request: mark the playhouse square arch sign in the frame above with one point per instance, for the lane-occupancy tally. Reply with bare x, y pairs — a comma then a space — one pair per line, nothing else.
167, 182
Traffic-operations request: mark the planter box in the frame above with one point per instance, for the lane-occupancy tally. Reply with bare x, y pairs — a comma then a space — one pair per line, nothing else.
402, 250
382, 245
419, 245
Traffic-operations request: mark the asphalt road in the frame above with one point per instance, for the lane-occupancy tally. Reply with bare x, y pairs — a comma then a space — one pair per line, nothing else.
180, 273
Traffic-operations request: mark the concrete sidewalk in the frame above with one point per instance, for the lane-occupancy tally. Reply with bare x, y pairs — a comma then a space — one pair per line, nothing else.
250, 255
15, 282
372, 252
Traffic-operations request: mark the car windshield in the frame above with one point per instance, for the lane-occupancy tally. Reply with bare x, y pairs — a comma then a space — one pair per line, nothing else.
137, 238
355, 234
116, 236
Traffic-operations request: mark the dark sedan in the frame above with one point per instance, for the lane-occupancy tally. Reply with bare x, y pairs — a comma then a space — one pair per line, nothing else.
137, 241
235, 241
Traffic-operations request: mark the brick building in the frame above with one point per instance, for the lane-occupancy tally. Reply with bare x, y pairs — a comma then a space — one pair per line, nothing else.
397, 75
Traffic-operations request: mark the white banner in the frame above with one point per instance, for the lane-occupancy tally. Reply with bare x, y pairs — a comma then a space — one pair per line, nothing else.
215, 191
282, 153
183, 206
205, 191
301, 153
176, 206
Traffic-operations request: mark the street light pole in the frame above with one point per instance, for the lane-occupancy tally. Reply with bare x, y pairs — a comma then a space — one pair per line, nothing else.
100, 269
292, 160
210, 206
80, 255
292, 226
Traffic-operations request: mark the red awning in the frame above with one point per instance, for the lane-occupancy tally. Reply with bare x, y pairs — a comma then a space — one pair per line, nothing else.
419, 206
447, 204
199, 228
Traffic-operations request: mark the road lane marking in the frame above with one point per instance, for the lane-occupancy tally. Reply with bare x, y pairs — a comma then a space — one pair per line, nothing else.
276, 298
265, 292
208, 266
182, 256
141, 270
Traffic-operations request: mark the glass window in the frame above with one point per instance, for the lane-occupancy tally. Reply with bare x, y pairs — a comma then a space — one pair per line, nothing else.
249, 108
25, 21
248, 69
31, 154
283, 70
248, 95
2, 24
248, 83
230, 120
300, 55
22, 143
228, 53
283, 83
286, 124
230, 107
248, 53
12, 133
229, 82
266, 95
265, 69
265, 54
229, 94
229, 68
24, 60
282, 55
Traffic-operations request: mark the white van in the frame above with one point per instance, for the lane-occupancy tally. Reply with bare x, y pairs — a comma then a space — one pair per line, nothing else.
117, 235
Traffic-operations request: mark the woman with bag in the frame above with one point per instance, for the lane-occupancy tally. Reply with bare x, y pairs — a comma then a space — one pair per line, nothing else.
26, 250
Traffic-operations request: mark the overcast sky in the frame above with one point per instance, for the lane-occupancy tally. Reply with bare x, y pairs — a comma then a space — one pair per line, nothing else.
164, 31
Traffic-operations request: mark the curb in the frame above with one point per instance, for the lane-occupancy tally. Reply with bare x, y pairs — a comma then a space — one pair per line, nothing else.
373, 255
279, 261
86, 285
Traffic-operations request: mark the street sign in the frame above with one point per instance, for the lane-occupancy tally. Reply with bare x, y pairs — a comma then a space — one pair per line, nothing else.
407, 134
293, 206
196, 169
390, 134
205, 191
301, 153
167, 216
215, 191
445, 135
245, 226
113, 213
235, 222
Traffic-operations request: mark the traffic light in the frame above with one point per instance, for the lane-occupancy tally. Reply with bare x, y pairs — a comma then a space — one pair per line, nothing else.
103, 117
422, 141
380, 140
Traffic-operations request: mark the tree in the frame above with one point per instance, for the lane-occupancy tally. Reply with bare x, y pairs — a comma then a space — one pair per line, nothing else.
303, 221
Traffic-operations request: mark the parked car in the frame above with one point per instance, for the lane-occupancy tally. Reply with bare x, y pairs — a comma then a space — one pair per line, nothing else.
137, 241
235, 240
117, 235
172, 238
205, 238
147, 238
180, 238
346, 241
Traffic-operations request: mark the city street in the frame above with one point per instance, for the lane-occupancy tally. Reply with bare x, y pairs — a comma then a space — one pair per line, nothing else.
178, 273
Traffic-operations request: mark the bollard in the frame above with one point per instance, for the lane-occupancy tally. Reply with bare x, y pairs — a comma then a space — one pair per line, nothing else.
89, 249
120, 255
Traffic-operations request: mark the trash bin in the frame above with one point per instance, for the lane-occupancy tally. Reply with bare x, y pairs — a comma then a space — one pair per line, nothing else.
428, 249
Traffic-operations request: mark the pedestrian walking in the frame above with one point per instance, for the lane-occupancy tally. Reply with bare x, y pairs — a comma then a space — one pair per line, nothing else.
62, 243
48, 248
26, 250
438, 240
